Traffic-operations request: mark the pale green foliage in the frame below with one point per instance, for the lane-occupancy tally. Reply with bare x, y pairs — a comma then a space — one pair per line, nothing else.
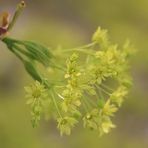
90, 85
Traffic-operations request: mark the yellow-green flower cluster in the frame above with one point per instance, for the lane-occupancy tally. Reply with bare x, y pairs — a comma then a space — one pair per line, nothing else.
118, 95
100, 118
91, 89
71, 94
101, 37
66, 124
36, 95
70, 97
108, 63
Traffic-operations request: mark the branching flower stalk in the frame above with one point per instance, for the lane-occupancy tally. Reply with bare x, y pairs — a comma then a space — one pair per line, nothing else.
87, 83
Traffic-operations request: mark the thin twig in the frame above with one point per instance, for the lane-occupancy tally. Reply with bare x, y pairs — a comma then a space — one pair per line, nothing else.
17, 13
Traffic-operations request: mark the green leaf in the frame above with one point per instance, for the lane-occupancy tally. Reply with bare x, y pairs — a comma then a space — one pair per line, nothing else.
30, 68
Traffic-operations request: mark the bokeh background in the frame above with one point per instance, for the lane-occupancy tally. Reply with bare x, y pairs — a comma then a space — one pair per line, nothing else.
70, 23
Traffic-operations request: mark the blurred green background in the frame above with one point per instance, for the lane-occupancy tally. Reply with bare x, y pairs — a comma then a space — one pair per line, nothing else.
70, 23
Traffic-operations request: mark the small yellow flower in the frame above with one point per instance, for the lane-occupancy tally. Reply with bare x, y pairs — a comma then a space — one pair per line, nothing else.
36, 90
36, 94
109, 109
118, 96
107, 126
65, 124
101, 37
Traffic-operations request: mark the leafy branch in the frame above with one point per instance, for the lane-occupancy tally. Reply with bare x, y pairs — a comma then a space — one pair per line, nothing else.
87, 83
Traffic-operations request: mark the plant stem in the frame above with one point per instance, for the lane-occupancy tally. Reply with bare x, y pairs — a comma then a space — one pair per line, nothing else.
105, 91
18, 11
86, 105
81, 49
90, 101
55, 103
107, 87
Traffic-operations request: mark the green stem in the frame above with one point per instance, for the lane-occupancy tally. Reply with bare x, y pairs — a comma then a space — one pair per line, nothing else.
90, 101
103, 90
86, 104
27, 54
16, 53
100, 93
55, 103
97, 96
107, 87
81, 49
17, 13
